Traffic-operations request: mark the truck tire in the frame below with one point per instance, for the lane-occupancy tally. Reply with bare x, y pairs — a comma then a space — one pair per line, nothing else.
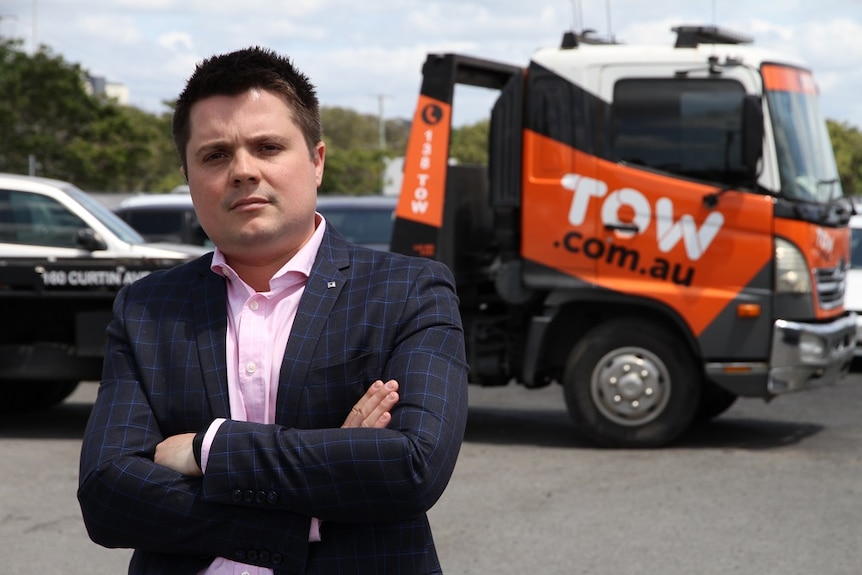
34, 395
714, 401
631, 383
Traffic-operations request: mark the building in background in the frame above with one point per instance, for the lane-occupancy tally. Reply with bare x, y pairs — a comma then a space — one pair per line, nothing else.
100, 86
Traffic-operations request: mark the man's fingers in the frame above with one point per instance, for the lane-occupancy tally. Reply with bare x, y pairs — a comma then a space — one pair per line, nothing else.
381, 417
364, 406
378, 399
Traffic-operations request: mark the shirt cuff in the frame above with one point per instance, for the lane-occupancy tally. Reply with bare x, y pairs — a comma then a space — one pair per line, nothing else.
206, 442
314, 530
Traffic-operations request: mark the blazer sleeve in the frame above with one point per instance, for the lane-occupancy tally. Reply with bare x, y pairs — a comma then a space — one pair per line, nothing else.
366, 475
129, 501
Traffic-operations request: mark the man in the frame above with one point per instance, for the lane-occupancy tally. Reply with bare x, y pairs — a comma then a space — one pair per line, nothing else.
233, 429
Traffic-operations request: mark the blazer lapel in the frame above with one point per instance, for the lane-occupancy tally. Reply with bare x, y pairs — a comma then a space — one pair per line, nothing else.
210, 316
324, 285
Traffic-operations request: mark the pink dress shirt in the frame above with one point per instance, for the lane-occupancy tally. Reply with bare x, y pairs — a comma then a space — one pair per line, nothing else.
258, 325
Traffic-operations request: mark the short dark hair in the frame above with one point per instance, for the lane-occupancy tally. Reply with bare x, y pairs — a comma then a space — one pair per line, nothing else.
236, 72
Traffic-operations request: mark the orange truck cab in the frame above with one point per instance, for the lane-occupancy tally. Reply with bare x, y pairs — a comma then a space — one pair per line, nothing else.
660, 229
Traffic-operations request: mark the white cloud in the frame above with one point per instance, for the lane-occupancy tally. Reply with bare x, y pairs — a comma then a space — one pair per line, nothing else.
175, 41
108, 29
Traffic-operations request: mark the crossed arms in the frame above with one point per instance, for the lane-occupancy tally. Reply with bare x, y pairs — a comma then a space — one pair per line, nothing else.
371, 411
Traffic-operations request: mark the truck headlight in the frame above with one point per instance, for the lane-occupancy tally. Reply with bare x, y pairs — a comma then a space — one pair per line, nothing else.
812, 347
791, 269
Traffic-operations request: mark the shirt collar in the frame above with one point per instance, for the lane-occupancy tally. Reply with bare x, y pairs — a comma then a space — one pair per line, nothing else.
300, 264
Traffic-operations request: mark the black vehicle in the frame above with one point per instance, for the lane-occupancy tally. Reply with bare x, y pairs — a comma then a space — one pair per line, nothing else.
164, 218
365, 220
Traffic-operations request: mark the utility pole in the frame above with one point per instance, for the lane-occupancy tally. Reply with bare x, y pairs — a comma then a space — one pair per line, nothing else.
34, 43
381, 122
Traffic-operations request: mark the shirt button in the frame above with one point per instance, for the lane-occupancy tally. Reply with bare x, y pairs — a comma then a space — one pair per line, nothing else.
253, 305
250, 367
246, 573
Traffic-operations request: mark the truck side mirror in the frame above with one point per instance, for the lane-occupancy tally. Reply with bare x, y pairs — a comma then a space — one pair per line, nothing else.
88, 239
752, 134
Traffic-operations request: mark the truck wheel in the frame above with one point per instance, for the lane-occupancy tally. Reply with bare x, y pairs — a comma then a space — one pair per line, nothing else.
34, 395
714, 401
631, 383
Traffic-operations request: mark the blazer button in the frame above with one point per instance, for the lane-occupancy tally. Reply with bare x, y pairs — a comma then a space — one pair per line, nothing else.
264, 556
276, 558
252, 555
240, 555
236, 495
248, 496
260, 497
272, 497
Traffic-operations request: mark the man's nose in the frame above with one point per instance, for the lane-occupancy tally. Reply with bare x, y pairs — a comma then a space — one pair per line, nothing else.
244, 167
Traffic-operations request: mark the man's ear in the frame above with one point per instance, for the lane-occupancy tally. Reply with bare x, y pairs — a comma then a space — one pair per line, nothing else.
185, 175
319, 158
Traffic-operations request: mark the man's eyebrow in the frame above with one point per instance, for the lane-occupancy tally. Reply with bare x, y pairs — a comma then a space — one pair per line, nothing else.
256, 140
269, 137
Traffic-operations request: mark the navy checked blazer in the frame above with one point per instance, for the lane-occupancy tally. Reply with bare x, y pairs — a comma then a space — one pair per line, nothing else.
364, 315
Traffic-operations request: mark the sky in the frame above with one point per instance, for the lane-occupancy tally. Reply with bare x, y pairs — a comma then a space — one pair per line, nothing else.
367, 55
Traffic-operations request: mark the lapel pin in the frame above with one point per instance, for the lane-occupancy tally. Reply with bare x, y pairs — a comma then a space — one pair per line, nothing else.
330, 284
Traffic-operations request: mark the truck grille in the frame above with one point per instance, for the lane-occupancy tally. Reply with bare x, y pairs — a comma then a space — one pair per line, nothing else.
830, 285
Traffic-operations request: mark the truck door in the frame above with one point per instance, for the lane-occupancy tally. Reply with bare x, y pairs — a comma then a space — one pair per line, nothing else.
679, 222
33, 225
561, 122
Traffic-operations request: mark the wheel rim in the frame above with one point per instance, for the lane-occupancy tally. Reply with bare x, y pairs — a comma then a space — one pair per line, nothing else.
630, 386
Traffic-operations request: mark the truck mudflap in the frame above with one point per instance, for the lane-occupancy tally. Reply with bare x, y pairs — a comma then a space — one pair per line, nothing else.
803, 355
807, 355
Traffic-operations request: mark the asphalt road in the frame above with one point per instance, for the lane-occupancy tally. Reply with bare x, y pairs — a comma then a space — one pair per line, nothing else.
764, 489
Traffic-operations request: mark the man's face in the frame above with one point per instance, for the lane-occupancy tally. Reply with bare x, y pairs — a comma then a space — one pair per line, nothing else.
252, 180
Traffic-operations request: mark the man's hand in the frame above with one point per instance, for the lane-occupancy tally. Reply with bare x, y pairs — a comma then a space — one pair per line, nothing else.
176, 453
372, 410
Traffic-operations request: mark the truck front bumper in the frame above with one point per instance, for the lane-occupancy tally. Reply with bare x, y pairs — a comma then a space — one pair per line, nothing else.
803, 355
807, 355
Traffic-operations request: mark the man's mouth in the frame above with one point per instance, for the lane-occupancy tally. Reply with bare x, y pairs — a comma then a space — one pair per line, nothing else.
248, 204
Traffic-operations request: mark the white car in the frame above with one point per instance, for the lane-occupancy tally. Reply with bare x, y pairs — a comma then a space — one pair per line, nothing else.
853, 289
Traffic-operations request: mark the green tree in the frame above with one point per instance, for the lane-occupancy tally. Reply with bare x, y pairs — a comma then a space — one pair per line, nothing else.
47, 114
469, 144
353, 172
44, 110
355, 159
847, 146
347, 129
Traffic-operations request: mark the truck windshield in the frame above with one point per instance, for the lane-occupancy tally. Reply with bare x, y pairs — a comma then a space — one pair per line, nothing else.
806, 163
111, 220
